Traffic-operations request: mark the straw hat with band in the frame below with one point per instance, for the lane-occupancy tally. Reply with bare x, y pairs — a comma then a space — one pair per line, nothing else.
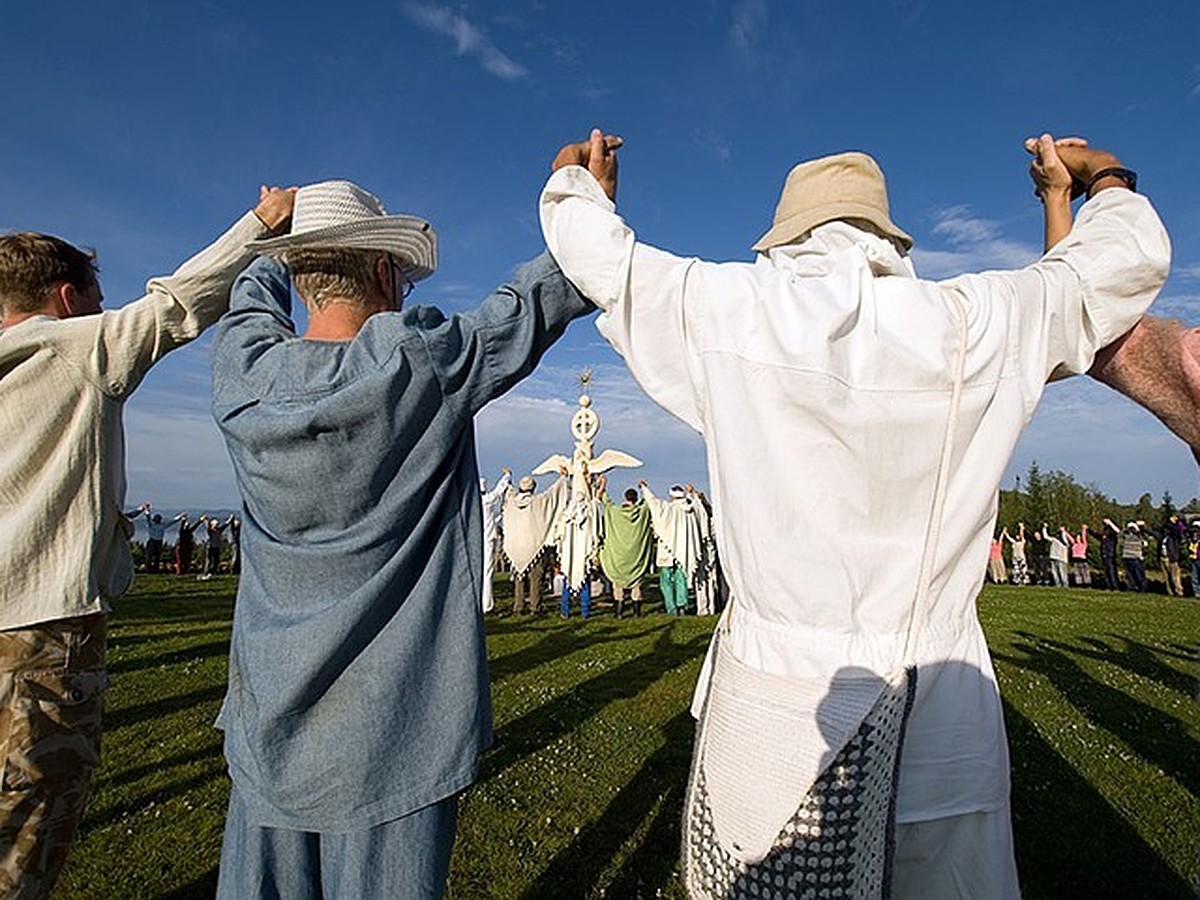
340, 215
843, 186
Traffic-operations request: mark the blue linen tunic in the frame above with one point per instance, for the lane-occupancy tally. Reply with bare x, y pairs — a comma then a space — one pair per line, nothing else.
358, 687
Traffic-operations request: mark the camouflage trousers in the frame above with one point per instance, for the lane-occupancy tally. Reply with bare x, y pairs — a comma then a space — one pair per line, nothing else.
52, 681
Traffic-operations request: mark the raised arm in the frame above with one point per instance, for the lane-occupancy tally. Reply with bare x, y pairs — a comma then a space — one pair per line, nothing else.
492, 497
1093, 284
176, 308
1053, 184
640, 290
1157, 365
480, 354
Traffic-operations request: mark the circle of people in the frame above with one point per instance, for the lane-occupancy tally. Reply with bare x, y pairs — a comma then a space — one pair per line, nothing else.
183, 553
1059, 557
583, 538
826, 375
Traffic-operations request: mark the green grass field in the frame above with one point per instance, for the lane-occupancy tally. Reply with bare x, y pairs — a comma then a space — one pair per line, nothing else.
582, 792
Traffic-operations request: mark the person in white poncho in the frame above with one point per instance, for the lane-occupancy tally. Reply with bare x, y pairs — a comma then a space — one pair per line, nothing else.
528, 530
828, 380
686, 551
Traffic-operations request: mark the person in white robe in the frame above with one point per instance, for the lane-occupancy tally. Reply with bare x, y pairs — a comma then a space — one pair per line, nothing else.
686, 549
827, 381
577, 536
528, 524
491, 501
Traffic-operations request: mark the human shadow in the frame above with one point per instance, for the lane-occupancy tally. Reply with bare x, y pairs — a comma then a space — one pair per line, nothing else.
655, 794
202, 888
1070, 835
1070, 840
210, 749
1157, 737
175, 657
214, 770
1136, 658
540, 727
166, 706
557, 644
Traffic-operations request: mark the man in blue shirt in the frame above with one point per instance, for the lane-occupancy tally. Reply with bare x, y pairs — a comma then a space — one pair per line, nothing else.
358, 698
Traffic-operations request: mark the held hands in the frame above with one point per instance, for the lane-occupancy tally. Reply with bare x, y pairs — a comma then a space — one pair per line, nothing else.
1081, 162
275, 207
598, 154
1050, 175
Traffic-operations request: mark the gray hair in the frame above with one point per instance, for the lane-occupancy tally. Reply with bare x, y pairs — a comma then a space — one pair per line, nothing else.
323, 275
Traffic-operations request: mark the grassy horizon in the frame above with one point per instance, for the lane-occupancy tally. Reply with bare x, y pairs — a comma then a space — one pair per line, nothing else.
582, 792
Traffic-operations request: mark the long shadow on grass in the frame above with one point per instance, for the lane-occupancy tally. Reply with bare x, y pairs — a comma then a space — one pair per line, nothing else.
175, 657
208, 748
1136, 658
1070, 842
540, 727
1155, 736
203, 888
120, 636
554, 645
164, 707
214, 770
654, 793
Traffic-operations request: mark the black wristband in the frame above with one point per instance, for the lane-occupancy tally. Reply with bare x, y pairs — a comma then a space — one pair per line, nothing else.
1127, 175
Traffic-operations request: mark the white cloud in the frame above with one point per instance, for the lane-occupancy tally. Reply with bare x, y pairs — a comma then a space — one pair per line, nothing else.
1190, 272
960, 227
1178, 306
177, 460
976, 244
717, 143
748, 19
533, 422
469, 39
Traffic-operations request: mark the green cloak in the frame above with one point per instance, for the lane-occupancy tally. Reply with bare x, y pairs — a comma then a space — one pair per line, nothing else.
627, 554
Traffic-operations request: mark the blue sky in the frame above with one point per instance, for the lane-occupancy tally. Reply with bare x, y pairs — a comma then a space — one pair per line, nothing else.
143, 129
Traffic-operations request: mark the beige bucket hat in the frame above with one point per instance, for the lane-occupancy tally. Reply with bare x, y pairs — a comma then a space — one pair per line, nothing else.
843, 186
340, 215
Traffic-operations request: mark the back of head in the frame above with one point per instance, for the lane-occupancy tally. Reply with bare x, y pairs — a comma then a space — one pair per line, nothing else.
324, 275
31, 264
339, 230
846, 186
631, 496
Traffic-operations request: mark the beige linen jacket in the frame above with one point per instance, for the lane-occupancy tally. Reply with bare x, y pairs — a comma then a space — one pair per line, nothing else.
64, 541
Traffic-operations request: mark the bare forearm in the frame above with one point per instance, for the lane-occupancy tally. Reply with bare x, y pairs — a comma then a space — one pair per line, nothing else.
1157, 364
1057, 208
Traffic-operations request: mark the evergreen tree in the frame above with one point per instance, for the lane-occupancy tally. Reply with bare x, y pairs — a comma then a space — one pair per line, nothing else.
1036, 501
1166, 508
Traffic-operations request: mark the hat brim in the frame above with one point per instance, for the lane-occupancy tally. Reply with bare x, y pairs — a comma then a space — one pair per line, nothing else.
787, 231
407, 237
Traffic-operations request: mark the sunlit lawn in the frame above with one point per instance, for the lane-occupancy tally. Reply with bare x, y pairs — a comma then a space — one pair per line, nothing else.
581, 794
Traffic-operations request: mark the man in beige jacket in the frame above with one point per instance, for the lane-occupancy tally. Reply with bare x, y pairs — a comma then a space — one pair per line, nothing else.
66, 370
